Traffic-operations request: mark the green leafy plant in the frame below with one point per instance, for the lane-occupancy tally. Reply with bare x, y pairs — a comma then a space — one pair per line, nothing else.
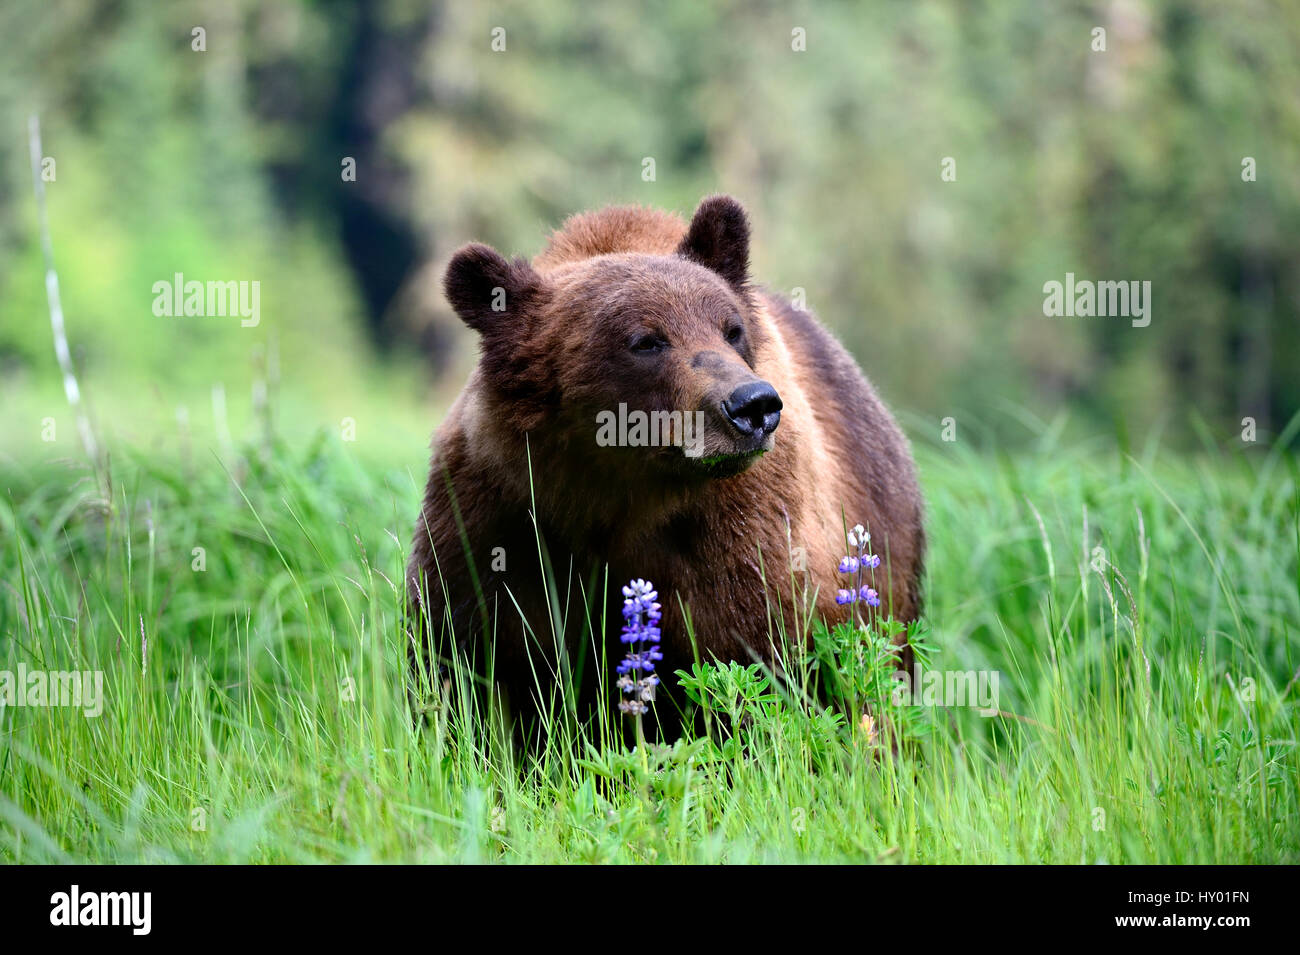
859, 670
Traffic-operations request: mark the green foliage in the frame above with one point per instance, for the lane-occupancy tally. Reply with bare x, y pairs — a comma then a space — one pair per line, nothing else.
847, 690
264, 695
858, 667
732, 690
755, 719
1123, 164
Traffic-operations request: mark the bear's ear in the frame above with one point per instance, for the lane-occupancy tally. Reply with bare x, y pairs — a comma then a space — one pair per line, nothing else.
718, 239
487, 291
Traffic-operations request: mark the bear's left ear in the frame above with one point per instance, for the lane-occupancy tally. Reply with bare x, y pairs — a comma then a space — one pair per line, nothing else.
718, 239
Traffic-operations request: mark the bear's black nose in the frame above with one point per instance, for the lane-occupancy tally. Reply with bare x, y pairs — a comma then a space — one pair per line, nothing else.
754, 408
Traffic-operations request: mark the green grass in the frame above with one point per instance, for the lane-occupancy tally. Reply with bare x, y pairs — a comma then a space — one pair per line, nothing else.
1148, 689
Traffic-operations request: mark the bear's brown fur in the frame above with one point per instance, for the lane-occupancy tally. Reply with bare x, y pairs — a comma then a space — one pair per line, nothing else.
635, 306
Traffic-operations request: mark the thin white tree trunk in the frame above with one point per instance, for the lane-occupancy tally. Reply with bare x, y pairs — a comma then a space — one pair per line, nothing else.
56, 307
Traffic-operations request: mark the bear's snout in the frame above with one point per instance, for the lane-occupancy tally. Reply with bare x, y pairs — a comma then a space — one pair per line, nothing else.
754, 409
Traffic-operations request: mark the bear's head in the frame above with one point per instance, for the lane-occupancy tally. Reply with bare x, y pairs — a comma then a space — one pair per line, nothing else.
630, 362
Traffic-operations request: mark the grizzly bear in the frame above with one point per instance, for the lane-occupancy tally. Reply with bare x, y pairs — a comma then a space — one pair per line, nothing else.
766, 442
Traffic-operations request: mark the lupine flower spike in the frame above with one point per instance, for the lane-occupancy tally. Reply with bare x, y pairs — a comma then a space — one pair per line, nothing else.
853, 565
636, 672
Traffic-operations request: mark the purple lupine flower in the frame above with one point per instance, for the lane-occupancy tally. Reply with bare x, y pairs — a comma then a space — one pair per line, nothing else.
636, 671
853, 565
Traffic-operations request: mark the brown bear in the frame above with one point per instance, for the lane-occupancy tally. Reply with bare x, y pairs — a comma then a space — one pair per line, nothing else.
765, 443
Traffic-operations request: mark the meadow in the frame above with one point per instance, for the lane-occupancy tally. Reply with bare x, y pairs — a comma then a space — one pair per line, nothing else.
1141, 608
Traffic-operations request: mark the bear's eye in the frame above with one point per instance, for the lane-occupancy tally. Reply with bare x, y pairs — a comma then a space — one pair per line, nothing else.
735, 333
647, 344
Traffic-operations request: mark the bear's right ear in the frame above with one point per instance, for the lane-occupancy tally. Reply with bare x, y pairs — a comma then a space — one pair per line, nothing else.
487, 291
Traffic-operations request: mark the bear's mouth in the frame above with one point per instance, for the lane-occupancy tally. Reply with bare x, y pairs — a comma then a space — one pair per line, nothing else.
729, 464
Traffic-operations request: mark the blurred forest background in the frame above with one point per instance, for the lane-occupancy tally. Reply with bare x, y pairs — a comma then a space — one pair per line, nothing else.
226, 164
